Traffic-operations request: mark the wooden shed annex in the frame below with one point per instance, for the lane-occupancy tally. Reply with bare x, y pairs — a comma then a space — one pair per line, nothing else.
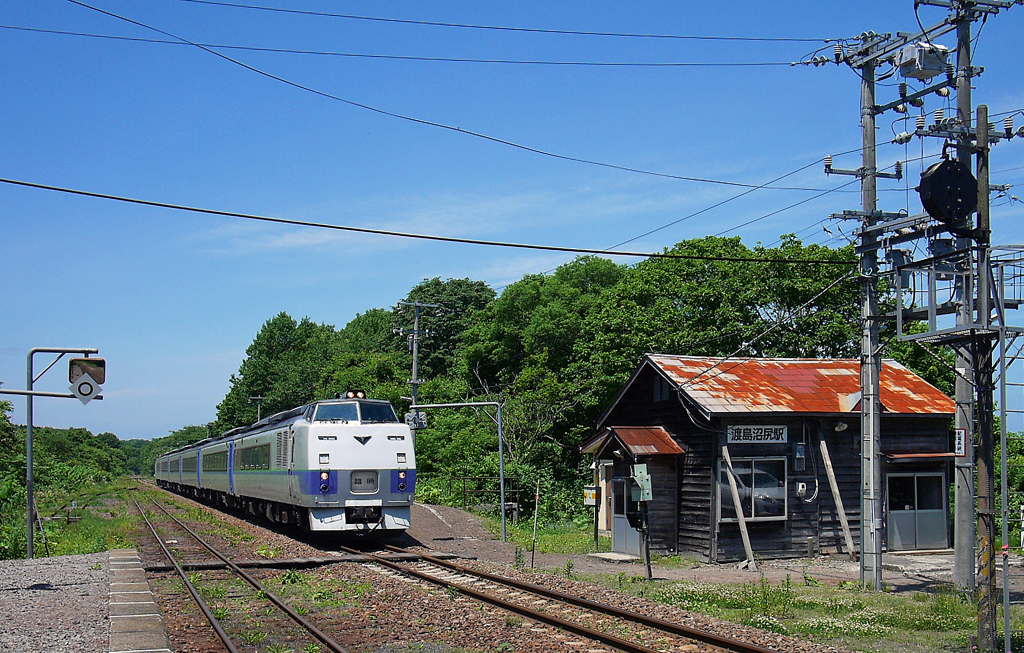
787, 425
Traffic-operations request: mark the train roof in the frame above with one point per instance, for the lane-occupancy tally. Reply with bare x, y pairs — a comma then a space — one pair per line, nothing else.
274, 419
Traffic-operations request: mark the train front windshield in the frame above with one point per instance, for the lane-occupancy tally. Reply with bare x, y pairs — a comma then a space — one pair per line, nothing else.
377, 413
336, 413
367, 413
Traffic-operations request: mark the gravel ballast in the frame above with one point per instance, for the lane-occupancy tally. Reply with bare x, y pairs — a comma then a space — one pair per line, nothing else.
56, 605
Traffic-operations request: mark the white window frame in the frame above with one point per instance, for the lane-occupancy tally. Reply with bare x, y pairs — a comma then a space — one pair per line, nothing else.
752, 460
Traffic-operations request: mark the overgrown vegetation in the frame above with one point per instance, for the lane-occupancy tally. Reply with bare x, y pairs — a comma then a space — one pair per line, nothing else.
69, 464
845, 616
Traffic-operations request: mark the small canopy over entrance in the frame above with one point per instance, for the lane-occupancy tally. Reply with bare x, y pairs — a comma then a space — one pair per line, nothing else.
614, 449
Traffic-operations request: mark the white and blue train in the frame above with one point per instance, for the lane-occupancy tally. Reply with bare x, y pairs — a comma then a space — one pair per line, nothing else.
342, 464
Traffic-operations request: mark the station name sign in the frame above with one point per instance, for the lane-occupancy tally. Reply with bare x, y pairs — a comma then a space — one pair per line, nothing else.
756, 434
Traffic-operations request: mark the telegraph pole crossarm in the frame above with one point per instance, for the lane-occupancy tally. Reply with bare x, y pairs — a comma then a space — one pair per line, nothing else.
414, 345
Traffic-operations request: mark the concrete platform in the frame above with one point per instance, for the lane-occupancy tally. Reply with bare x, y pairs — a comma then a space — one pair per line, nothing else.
136, 625
610, 556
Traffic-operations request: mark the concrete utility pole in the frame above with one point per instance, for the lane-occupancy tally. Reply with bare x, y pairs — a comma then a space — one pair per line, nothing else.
871, 361
987, 634
414, 342
963, 525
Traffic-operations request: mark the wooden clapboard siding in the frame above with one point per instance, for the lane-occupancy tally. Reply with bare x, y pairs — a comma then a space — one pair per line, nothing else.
684, 512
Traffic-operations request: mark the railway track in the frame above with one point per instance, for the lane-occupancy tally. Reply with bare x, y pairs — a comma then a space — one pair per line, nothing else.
563, 611
566, 622
261, 590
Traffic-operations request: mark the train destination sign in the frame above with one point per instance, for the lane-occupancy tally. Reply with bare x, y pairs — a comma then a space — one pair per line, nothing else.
757, 434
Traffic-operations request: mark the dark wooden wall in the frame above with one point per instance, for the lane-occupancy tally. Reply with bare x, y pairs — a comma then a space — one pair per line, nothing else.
684, 511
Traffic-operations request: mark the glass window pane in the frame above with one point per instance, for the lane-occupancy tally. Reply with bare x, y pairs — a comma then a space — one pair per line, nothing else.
901, 493
376, 413
770, 488
619, 507
929, 493
742, 471
336, 412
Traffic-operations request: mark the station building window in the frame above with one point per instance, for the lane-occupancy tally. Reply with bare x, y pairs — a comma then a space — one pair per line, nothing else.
761, 483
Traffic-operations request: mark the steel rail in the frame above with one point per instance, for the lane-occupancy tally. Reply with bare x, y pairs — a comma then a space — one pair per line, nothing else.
651, 622
596, 635
214, 623
295, 616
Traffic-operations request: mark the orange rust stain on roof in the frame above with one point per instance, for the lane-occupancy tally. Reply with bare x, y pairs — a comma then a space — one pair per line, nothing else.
795, 385
646, 440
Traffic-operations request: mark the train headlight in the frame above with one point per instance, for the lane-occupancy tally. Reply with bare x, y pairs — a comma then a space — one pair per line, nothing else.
325, 482
402, 486
324, 476
401, 474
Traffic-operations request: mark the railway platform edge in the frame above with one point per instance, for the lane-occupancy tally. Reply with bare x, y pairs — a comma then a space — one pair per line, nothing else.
136, 624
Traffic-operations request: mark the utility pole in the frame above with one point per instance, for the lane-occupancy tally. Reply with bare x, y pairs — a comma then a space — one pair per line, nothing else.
864, 58
259, 407
987, 633
871, 361
414, 344
914, 55
963, 515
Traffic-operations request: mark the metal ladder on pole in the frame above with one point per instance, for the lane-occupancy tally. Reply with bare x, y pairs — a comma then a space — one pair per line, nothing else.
1010, 501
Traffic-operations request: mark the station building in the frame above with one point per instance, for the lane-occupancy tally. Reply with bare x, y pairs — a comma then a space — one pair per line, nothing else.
787, 425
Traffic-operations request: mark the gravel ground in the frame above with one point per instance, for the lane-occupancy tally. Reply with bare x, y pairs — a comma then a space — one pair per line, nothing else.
399, 615
55, 605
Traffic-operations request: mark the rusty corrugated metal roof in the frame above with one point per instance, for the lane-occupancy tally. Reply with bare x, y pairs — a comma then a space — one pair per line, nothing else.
763, 385
646, 440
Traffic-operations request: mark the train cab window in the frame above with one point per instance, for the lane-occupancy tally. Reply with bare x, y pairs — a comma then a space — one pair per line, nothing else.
336, 413
376, 413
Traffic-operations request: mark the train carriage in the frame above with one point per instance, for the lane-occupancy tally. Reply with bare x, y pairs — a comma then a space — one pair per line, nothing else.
343, 464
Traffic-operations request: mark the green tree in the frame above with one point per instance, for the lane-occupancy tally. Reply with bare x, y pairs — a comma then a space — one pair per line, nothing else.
537, 316
459, 300
285, 364
182, 437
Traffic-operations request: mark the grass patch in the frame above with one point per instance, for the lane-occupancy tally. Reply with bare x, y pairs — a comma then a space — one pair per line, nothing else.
566, 537
102, 520
846, 616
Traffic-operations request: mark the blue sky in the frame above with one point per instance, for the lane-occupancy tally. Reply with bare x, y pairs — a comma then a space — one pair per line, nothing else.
172, 299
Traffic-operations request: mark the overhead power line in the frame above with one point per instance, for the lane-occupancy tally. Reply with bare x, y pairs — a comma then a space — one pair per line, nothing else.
501, 28
401, 234
402, 57
430, 123
785, 319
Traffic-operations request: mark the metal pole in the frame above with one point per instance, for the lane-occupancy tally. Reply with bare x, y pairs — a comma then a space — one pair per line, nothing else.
963, 526
1007, 632
871, 472
501, 473
29, 382
501, 446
